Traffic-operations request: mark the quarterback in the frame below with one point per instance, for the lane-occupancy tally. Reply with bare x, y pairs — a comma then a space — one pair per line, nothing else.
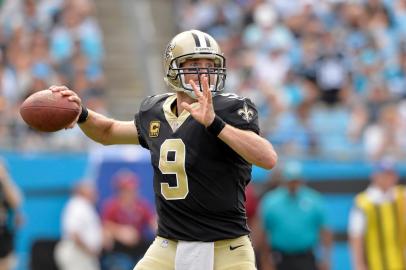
203, 143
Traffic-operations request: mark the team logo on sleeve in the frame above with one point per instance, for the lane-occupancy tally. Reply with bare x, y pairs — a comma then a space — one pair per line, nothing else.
246, 113
154, 128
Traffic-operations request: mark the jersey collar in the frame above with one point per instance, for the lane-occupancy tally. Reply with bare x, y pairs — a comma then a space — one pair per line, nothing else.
174, 121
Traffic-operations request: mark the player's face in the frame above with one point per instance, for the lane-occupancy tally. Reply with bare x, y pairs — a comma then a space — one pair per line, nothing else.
203, 66
385, 180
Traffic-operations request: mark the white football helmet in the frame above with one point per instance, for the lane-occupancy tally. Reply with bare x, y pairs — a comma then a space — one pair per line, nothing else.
193, 44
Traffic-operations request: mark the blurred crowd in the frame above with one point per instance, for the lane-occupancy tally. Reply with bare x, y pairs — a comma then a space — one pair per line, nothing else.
328, 76
46, 42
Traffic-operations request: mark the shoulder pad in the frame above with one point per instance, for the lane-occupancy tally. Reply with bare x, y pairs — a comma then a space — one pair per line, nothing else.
228, 100
237, 111
150, 101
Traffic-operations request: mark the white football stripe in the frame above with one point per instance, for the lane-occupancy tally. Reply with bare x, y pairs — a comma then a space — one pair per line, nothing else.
202, 40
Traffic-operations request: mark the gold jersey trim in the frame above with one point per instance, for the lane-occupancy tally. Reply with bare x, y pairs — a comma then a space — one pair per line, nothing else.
174, 121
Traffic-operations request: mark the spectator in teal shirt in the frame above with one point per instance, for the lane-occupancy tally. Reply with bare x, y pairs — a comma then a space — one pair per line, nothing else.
294, 223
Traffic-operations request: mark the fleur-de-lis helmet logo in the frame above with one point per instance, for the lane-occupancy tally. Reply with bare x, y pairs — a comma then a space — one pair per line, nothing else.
246, 113
168, 51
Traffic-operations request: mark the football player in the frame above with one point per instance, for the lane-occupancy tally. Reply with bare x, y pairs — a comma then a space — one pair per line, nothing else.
203, 143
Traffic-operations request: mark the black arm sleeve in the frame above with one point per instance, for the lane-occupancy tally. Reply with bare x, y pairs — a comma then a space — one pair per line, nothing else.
243, 115
141, 139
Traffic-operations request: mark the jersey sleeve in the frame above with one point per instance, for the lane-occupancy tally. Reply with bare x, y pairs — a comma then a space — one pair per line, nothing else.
242, 114
137, 123
140, 119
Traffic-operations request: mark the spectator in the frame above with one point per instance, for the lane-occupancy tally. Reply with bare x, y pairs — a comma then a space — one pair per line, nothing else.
128, 221
330, 71
10, 200
82, 234
377, 221
294, 223
294, 132
387, 135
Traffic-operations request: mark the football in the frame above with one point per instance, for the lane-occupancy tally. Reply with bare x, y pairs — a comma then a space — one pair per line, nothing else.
48, 111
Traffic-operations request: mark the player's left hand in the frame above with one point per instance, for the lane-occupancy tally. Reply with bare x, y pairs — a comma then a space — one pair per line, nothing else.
204, 113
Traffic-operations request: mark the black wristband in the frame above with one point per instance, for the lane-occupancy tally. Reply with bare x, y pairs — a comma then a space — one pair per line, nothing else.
216, 126
83, 115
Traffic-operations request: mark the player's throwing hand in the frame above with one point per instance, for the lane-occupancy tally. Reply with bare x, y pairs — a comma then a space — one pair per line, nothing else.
65, 91
72, 96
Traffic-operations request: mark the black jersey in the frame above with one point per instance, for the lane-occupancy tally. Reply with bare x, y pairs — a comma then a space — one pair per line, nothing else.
199, 181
